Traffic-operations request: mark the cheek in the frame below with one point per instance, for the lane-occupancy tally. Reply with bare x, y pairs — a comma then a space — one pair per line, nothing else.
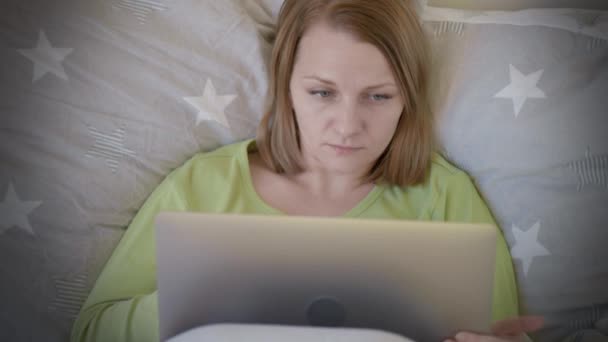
298, 99
299, 107
309, 113
385, 121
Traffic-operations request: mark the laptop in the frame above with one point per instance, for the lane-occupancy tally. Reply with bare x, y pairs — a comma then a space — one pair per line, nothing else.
420, 279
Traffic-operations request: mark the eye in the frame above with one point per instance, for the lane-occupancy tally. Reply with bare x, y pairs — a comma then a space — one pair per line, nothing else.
321, 93
380, 97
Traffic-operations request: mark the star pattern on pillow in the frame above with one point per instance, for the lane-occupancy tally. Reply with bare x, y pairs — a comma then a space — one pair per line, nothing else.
443, 27
14, 212
109, 147
70, 294
595, 43
525, 246
211, 106
140, 8
592, 170
521, 88
46, 58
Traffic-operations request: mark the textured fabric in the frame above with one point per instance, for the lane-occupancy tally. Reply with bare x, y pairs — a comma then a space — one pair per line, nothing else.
93, 114
98, 102
521, 104
123, 303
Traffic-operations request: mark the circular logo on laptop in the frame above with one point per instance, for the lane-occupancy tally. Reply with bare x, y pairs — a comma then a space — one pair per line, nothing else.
326, 312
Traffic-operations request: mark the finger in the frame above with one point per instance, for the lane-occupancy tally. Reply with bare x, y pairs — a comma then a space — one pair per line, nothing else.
518, 325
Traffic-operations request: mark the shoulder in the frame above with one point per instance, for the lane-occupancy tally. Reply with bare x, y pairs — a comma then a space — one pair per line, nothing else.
444, 175
213, 165
441, 168
448, 186
228, 152
457, 197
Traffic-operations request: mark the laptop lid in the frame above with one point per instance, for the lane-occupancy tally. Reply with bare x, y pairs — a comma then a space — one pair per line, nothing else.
423, 280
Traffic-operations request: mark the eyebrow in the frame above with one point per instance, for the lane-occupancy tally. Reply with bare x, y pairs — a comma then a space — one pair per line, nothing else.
322, 80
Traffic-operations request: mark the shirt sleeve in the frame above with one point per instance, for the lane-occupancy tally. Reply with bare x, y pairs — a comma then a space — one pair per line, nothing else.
461, 202
123, 304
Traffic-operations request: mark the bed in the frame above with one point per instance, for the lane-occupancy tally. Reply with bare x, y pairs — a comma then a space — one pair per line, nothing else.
101, 99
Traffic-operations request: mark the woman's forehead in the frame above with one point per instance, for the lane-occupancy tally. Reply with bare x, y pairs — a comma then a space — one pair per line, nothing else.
330, 53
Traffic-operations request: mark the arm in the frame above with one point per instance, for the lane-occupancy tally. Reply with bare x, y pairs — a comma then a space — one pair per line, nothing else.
460, 202
123, 304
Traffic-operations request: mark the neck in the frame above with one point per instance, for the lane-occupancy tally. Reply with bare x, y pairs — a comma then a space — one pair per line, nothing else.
331, 185
325, 183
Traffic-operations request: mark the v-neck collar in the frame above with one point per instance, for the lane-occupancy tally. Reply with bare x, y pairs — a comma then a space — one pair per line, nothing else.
243, 159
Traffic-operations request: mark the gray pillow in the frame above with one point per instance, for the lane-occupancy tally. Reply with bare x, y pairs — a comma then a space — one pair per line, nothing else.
521, 99
99, 101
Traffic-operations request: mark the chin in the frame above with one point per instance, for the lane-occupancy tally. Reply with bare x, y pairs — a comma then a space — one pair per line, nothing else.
345, 163
346, 166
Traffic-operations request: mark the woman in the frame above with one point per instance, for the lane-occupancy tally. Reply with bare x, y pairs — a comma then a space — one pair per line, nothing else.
348, 133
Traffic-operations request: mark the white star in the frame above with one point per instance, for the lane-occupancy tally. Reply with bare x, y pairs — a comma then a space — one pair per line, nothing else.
13, 211
211, 106
526, 246
46, 58
521, 88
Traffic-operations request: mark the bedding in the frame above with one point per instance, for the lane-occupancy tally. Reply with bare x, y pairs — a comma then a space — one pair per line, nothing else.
521, 104
101, 99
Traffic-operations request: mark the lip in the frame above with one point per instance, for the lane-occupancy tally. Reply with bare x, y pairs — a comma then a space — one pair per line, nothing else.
342, 149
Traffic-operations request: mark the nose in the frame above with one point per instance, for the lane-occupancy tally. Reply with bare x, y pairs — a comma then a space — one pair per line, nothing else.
348, 121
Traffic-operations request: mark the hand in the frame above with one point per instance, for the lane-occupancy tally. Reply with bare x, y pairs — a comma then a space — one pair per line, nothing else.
508, 330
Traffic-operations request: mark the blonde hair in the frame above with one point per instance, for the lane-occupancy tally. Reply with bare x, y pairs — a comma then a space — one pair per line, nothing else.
393, 27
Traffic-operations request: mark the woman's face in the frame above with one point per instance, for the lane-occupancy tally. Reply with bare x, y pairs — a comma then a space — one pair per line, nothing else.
346, 101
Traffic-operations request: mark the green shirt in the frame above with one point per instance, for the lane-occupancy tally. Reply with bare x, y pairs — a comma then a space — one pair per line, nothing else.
123, 306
